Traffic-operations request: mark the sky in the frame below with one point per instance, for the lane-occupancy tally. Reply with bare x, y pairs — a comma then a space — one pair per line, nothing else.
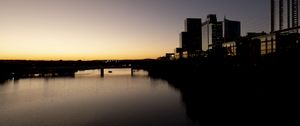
111, 29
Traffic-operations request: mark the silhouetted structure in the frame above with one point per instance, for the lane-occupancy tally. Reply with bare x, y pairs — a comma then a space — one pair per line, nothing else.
200, 37
231, 30
254, 47
295, 14
231, 46
211, 33
23, 69
170, 56
214, 32
258, 64
280, 14
280, 8
191, 38
248, 51
179, 53
278, 44
272, 15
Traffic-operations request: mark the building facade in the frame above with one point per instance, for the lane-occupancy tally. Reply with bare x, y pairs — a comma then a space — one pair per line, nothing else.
273, 44
231, 30
215, 33
191, 39
211, 33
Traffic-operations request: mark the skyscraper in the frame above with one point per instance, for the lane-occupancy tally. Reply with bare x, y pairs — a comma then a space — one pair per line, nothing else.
191, 39
212, 33
231, 30
284, 15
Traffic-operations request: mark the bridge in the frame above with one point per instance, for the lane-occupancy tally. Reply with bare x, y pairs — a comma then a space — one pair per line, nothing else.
20, 69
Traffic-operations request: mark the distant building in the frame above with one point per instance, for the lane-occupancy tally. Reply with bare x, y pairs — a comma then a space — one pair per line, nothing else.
170, 56
180, 53
261, 44
199, 37
193, 25
248, 50
254, 34
278, 43
281, 45
266, 45
211, 32
231, 47
191, 39
214, 32
231, 30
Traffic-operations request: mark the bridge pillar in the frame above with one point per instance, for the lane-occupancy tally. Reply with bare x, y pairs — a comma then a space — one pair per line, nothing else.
102, 72
132, 71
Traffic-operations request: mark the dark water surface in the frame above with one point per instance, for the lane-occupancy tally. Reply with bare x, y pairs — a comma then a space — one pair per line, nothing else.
118, 99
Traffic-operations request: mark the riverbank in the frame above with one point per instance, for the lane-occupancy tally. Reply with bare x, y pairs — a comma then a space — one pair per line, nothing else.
265, 79
232, 94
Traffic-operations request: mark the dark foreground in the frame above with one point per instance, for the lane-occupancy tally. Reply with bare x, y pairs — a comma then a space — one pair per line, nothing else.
227, 94
222, 92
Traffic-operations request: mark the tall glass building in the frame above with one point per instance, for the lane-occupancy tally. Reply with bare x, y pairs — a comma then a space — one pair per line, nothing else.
214, 32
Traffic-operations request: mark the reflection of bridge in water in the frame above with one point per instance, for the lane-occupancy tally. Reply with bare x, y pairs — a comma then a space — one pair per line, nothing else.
129, 66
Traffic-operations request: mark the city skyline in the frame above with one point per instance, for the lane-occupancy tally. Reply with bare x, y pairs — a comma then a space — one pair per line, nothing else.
95, 30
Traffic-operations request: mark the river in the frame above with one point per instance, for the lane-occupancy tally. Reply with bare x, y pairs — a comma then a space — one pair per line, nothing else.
118, 99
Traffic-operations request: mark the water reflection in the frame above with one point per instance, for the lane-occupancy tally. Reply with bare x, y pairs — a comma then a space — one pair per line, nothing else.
89, 99
212, 104
111, 72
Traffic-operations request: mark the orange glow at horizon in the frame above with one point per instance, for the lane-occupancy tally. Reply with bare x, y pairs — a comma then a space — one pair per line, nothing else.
77, 57
75, 30
109, 29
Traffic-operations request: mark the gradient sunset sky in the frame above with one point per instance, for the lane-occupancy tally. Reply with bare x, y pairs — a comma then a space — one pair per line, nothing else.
111, 29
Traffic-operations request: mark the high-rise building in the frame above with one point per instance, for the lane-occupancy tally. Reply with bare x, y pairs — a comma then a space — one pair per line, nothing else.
284, 15
191, 39
214, 32
231, 30
212, 35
